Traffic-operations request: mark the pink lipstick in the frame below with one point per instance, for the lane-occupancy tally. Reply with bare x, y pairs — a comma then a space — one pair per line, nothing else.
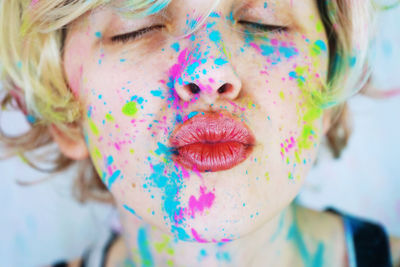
211, 142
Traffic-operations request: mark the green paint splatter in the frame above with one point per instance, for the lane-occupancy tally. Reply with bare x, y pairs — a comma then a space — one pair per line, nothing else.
281, 95
130, 109
164, 246
319, 26
93, 127
109, 117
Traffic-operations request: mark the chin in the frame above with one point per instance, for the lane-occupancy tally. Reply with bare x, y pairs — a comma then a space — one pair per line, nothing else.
216, 229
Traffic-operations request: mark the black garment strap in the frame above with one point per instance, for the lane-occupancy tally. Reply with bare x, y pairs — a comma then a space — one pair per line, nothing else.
106, 249
60, 264
371, 243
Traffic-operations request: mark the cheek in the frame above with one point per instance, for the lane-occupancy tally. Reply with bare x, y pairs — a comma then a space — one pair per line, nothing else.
76, 49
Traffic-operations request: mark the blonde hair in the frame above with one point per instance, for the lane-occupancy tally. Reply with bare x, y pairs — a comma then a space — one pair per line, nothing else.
32, 35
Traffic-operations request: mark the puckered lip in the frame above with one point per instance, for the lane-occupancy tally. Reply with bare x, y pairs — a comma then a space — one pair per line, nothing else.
212, 141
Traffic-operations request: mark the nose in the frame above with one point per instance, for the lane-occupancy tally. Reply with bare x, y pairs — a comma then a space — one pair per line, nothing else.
208, 74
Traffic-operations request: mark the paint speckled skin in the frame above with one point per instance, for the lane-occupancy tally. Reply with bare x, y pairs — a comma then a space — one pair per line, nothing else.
135, 93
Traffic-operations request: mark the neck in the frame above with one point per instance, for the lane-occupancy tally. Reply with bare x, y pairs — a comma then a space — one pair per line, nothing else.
151, 247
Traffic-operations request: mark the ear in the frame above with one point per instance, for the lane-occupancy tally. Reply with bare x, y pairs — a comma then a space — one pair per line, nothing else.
326, 120
73, 148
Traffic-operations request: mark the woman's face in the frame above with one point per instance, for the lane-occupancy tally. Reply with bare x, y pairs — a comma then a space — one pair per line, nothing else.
206, 136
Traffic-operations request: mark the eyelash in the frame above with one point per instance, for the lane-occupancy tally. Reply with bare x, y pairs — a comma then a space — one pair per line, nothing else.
123, 38
264, 27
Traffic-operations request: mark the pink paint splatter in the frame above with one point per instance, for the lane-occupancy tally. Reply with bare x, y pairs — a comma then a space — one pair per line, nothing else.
197, 237
199, 205
34, 2
256, 47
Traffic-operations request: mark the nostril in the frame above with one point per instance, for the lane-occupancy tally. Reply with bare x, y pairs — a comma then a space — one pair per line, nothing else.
224, 88
194, 88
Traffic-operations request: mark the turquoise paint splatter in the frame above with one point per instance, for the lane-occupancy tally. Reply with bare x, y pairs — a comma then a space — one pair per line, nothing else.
220, 61
352, 61
215, 36
309, 259
131, 211
98, 34
210, 24
192, 67
230, 17
181, 233
113, 177
157, 7
110, 160
156, 93
287, 51
192, 114
279, 229
163, 150
214, 15
267, 50
223, 256
321, 44
144, 248
175, 46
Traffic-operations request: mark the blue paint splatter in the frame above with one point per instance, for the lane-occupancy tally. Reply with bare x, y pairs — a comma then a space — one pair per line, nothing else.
97, 34
31, 119
144, 248
178, 118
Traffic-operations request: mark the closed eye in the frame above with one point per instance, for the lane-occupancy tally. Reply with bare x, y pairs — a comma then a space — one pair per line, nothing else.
264, 27
130, 36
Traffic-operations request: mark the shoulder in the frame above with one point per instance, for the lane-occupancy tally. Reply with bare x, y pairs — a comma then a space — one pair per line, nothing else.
117, 254
395, 250
321, 224
326, 229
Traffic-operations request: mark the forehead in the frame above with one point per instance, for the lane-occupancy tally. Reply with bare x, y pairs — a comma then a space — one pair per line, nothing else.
146, 7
